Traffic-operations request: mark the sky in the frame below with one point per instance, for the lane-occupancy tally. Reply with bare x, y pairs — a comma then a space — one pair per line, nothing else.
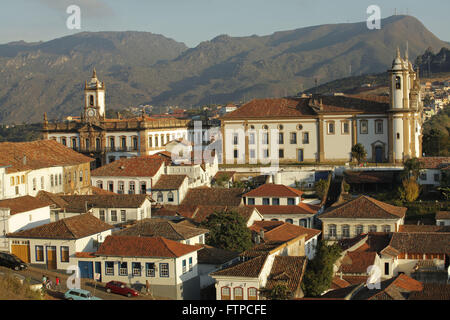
194, 21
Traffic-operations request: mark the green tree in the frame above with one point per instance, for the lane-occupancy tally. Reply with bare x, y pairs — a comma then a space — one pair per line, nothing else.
319, 271
412, 168
279, 291
409, 191
228, 230
321, 188
359, 152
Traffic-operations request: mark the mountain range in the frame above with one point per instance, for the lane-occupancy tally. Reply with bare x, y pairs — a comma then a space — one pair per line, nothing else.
145, 68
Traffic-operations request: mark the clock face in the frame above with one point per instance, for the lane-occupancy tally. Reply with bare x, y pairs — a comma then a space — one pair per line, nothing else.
91, 112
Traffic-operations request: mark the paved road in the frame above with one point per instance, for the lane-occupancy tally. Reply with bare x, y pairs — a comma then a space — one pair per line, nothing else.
98, 290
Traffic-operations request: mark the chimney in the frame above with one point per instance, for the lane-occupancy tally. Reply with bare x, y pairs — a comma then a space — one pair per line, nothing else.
261, 234
24, 160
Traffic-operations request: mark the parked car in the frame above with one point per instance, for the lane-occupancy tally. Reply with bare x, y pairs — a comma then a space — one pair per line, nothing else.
120, 288
11, 261
79, 294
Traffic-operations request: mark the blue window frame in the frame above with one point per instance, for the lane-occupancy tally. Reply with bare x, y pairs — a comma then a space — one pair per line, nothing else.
164, 270
109, 268
39, 250
64, 253
150, 269
251, 201
123, 269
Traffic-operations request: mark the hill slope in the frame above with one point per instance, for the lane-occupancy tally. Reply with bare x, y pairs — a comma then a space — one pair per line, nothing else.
217, 71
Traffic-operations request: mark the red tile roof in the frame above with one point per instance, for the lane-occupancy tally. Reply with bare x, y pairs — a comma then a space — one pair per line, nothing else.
357, 262
274, 190
419, 243
434, 162
169, 182
21, 156
365, 207
75, 227
442, 215
23, 204
143, 166
133, 246
287, 270
247, 269
213, 196
283, 231
423, 228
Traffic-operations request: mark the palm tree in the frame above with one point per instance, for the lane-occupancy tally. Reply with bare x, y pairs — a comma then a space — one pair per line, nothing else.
359, 152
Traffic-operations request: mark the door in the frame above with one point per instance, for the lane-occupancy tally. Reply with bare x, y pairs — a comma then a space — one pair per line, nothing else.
378, 154
300, 155
386, 268
51, 258
98, 270
86, 270
21, 249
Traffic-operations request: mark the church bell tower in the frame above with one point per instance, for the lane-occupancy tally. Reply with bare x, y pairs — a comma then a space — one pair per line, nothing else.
94, 99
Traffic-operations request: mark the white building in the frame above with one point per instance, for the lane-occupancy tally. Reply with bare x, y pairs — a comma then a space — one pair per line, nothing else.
443, 218
324, 128
53, 245
170, 189
20, 214
431, 170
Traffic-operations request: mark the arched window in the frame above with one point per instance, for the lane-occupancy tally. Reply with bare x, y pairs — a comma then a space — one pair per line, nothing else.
274, 220
159, 197
332, 230
238, 293
225, 293
252, 294
265, 127
372, 228
290, 221
170, 196
386, 228
398, 82
100, 184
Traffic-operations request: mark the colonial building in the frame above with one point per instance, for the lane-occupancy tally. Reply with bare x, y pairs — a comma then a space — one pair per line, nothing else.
107, 140
324, 128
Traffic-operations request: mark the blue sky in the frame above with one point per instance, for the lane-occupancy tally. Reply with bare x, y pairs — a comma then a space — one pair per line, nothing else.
193, 21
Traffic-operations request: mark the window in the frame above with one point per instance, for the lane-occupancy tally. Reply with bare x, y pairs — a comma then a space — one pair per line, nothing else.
359, 229
332, 230
109, 268
123, 269
398, 136
266, 201
150, 142
252, 154
346, 231
398, 82
265, 127
63, 141
436, 177
101, 215
379, 126
114, 215
99, 184
87, 143
305, 137
386, 228
289, 221
81, 176
111, 186
22, 179
238, 293
372, 228
235, 138
299, 127
34, 183
330, 127
17, 180
12, 181
159, 197
131, 189
251, 201
150, 269
111, 143
123, 215
170, 196
64, 254
121, 187
251, 138
91, 100
363, 127
266, 153
98, 145
235, 153
39, 253
136, 266
345, 127
281, 138
275, 201
74, 143
225, 293
190, 264
184, 266
280, 153
280, 127
60, 179
291, 201
124, 142
164, 270
252, 294
43, 182
265, 138
293, 138
386, 268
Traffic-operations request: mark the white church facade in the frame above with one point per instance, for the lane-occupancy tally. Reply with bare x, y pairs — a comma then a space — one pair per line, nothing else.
324, 128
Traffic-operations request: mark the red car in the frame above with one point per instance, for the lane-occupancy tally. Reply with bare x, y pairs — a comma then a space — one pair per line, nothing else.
120, 288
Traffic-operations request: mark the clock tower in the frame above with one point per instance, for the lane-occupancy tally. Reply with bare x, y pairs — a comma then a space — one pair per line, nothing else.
94, 99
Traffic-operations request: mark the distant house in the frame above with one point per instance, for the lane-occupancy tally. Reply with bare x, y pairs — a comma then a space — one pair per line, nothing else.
129, 176
111, 208
54, 245
166, 229
170, 267
361, 215
21, 213
170, 188
204, 196
25, 171
431, 173
278, 202
443, 218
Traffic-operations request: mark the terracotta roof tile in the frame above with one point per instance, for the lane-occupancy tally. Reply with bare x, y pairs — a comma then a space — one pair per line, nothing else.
357, 262
432, 291
247, 269
282, 231
143, 166
288, 270
419, 243
274, 190
169, 182
21, 156
338, 283
132, 246
161, 228
365, 207
213, 196
224, 175
212, 255
434, 162
70, 228
301, 208
23, 204
442, 215
423, 228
